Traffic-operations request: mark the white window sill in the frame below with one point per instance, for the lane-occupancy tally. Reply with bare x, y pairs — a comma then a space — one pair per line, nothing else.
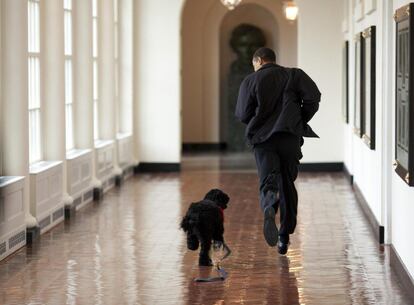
103, 143
123, 135
76, 153
7, 180
42, 166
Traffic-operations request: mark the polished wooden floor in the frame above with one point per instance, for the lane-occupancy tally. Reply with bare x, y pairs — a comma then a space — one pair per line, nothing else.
128, 249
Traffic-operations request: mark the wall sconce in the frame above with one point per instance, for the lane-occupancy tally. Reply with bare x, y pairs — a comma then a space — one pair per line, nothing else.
291, 10
231, 4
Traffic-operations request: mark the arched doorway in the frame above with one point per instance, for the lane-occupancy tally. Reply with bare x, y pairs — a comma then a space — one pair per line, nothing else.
206, 57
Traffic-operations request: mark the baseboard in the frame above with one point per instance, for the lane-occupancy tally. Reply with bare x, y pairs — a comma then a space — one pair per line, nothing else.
321, 167
204, 147
376, 227
157, 167
348, 174
402, 273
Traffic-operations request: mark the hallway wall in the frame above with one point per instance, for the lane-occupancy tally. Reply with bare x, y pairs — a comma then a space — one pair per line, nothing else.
402, 196
365, 164
157, 80
319, 55
388, 196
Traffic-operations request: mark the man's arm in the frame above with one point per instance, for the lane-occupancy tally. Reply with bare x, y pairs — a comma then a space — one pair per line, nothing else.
246, 102
309, 94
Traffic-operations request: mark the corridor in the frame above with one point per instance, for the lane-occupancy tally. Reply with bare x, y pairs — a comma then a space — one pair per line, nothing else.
127, 249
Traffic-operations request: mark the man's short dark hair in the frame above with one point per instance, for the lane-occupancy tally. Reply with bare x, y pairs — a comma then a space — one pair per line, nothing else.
266, 54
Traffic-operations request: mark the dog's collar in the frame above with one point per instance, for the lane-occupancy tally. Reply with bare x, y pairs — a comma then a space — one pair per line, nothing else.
222, 213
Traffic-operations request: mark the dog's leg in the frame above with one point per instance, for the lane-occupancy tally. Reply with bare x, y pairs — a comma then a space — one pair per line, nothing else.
192, 241
219, 231
204, 259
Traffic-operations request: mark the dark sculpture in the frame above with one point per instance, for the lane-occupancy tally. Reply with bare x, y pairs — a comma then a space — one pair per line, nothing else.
245, 40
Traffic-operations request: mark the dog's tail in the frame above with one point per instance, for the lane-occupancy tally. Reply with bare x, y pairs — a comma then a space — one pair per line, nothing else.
190, 220
187, 223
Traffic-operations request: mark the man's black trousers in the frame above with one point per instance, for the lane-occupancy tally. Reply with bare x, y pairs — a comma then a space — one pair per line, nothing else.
277, 162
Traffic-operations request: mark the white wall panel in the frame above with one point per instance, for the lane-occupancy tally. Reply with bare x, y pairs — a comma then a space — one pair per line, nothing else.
79, 165
46, 193
125, 151
12, 216
105, 159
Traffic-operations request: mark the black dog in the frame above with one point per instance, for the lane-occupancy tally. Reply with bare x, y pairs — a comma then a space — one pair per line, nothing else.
203, 224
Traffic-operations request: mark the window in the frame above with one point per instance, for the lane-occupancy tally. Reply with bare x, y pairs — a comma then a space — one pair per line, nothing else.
35, 134
95, 69
67, 5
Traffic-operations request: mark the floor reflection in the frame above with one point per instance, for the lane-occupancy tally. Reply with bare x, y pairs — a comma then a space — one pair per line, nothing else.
71, 283
129, 266
289, 293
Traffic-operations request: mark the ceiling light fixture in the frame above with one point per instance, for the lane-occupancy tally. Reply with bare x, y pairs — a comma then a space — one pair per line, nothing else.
231, 4
291, 10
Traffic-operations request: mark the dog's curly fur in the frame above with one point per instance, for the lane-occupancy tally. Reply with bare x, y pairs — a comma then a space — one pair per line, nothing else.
203, 223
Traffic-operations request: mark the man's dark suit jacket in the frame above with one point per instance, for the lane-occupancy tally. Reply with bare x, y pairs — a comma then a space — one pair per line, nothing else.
277, 99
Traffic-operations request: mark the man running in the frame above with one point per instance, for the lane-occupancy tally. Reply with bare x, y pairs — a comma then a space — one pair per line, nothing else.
276, 103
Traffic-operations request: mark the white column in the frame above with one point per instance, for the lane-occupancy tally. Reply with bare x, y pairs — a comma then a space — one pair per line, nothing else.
83, 75
15, 127
135, 82
157, 64
106, 70
53, 86
83, 79
126, 64
387, 93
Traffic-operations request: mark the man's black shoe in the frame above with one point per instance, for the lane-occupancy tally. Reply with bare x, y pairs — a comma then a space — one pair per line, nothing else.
270, 231
282, 247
